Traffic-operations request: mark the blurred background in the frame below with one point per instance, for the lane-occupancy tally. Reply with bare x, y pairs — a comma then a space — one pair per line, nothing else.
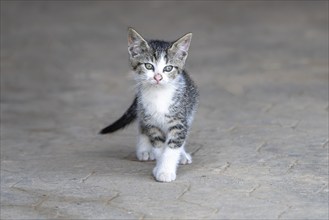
77, 50
262, 71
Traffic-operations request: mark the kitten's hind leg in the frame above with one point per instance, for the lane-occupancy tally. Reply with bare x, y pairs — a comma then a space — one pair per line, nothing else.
144, 151
185, 158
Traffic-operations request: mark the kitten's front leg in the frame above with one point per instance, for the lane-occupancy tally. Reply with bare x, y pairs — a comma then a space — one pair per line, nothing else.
166, 164
169, 157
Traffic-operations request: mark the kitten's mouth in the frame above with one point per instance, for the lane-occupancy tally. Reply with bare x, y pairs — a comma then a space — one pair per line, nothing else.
155, 83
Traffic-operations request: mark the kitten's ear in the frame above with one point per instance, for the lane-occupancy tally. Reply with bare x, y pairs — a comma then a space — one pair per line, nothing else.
180, 47
136, 43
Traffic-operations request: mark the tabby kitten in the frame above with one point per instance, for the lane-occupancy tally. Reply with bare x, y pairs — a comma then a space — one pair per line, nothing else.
165, 102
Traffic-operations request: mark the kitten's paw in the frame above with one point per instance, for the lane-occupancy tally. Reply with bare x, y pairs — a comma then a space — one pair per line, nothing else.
185, 158
145, 156
163, 175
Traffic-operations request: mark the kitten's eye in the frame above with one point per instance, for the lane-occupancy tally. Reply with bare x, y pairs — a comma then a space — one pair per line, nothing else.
149, 66
167, 68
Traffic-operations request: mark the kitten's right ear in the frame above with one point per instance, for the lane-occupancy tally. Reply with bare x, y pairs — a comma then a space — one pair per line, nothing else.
136, 43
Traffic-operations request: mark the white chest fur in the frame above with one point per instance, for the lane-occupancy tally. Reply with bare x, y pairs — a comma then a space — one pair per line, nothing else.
157, 100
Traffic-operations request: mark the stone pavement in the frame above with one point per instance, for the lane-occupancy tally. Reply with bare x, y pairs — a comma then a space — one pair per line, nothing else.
259, 141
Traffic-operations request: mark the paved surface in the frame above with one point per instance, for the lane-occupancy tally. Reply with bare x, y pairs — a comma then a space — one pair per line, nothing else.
259, 141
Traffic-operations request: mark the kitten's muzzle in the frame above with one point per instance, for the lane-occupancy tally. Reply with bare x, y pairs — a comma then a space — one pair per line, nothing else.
158, 77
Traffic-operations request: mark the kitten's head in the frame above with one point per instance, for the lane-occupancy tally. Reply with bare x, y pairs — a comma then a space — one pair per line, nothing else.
157, 62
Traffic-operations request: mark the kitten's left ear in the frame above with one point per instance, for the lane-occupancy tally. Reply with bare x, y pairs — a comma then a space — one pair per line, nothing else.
180, 47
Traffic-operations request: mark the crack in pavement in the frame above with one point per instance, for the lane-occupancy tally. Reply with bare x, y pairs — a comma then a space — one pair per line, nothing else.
187, 189
284, 212
261, 146
253, 190
84, 179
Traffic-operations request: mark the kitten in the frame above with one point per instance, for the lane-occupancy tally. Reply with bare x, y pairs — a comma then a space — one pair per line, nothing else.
164, 105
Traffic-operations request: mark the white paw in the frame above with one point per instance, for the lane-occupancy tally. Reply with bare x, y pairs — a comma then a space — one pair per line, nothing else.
164, 175
185, 158
145, 155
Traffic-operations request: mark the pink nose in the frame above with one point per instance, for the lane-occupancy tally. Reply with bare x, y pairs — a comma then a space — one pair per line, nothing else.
157, 77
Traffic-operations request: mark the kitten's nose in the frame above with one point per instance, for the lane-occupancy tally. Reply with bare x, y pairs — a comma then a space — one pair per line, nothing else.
157, 77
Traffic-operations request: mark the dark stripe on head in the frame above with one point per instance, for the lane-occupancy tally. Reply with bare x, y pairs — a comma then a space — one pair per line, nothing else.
166, 57
155, 57
158, 47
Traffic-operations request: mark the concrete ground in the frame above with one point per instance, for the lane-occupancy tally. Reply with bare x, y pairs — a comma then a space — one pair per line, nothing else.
260, 137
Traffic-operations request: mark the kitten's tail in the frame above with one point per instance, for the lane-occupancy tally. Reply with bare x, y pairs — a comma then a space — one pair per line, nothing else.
128, 117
